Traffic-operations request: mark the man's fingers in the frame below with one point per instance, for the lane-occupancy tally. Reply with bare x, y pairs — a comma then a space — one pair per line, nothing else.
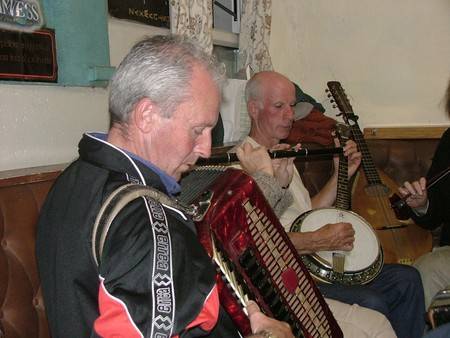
281, 146
252, 308
408, 186
423, 183
347, 247
403, 191
239, 152
418, 189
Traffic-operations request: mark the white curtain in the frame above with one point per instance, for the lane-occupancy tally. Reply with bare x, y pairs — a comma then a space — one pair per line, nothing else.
193, 18
254, 37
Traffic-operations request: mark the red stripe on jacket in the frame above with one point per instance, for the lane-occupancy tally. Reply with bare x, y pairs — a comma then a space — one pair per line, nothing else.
114, 320
208, 316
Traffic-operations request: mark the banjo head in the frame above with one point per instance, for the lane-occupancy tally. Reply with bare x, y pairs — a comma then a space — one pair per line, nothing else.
362, 263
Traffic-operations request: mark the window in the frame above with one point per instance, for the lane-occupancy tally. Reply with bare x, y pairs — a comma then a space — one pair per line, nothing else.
227, 15
226, 24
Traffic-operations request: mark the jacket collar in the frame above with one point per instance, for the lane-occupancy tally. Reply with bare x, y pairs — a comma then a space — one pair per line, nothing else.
97, 151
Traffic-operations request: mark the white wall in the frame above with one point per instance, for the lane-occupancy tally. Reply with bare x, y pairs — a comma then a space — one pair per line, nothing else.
391, 57
41, 125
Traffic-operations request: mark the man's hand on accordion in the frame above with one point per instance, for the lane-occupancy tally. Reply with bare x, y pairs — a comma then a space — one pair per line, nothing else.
266, 327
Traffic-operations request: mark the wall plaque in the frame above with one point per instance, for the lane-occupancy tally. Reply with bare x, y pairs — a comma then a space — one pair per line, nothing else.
28, 56
150, 12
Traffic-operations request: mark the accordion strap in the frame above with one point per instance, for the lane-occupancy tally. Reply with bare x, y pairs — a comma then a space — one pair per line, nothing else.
115, 202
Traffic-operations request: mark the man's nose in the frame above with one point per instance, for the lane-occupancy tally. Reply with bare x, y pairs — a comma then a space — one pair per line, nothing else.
290, 113
203, 147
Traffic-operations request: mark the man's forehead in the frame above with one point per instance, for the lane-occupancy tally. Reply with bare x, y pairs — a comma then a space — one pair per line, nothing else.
281, 92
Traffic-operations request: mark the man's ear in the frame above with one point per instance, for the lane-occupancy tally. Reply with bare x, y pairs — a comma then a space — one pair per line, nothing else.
145, 114
253, 109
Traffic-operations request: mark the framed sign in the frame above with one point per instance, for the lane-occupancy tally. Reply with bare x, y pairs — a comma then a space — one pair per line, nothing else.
150, 12
28, 56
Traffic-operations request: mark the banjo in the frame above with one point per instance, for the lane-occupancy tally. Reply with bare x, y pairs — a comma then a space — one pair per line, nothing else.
358, 266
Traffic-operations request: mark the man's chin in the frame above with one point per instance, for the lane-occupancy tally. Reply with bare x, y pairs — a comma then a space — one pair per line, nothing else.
285, 134
183, 171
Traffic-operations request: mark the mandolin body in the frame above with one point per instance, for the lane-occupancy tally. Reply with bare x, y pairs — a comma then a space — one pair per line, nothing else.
402, 241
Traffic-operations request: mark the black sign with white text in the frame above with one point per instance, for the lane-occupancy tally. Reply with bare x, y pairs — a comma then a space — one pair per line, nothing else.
28, 56
150, 12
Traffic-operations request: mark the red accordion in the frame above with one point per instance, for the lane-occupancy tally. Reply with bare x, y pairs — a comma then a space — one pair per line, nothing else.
254, 255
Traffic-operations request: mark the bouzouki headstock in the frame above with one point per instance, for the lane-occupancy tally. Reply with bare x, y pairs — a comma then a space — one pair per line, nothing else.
342, 102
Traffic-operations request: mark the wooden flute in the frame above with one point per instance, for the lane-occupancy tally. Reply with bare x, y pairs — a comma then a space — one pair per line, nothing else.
301, 153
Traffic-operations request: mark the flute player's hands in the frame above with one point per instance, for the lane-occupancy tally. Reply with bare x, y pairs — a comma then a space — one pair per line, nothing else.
254, 159
258, 159
283, 168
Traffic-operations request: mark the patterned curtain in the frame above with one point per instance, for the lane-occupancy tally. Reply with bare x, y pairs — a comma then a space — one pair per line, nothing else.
193, 18
254, 37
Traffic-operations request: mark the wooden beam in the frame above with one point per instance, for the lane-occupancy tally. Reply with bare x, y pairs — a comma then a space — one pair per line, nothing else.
404, 132
30, 175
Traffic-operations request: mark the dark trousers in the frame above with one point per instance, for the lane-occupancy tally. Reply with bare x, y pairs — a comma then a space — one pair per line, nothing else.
442, 331
396, 292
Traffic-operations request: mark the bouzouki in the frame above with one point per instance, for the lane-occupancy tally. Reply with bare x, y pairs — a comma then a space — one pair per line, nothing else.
357, 266
402, 241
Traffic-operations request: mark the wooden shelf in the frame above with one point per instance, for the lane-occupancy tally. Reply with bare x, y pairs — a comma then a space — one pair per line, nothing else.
404, 132
29, 175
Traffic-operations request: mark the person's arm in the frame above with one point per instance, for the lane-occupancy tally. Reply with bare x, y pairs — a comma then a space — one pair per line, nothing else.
272, 176
336, 236
266, 327
327, 195
277, 197
436, 209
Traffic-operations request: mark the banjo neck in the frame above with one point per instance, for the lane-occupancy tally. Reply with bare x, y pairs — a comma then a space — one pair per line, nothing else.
343, 192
